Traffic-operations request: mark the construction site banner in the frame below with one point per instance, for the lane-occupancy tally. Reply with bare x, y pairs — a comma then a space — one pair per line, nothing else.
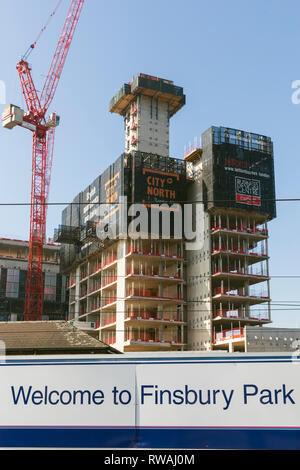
238, 171
179, 401
158, 179
100, 199
159, 184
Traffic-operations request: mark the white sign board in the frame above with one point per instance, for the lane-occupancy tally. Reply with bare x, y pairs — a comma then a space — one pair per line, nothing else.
155, 401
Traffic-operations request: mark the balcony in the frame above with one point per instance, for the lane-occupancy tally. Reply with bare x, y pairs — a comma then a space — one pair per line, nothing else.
133, 110
95, 306
221, 292
151, 294
107, 281
144, 252
152, 339
133, 140
151, 317
71, 283
233, 229
236, 252
236, 315
108, 321
109, 300
83, 311
83, 293
96, 269
148, 274
108, 337
226, 335
83, 276
109, 261
251, 277
96, 287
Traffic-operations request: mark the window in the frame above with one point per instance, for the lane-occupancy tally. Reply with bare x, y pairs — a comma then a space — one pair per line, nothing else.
50, 287
12, 283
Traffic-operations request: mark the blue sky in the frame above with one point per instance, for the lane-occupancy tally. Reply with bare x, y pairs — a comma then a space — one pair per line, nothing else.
236, 61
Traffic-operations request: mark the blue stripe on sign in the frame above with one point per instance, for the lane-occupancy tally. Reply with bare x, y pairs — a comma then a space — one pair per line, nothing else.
161, 438
233, 438
67, 437
170, 360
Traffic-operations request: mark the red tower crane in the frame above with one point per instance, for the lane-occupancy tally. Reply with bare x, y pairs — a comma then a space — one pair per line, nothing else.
43, 131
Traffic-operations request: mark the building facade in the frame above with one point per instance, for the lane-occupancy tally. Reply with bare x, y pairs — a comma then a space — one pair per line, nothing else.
13, 274
228, 282
141, 285
268, 339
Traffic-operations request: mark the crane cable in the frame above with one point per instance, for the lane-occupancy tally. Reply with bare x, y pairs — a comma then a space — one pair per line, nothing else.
32, 46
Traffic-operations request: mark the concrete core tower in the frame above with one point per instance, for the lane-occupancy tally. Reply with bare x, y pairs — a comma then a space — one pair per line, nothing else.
147, 103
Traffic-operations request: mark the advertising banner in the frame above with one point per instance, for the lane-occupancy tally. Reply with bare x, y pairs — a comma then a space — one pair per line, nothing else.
238, 173
153, 186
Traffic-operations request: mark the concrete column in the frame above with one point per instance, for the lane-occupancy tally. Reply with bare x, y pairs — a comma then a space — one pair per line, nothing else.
121, 294
77, 293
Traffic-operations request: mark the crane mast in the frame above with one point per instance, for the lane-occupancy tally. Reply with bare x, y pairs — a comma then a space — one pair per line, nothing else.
34, 119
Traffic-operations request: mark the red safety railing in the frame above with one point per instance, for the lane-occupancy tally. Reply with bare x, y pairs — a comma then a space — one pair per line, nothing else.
142, 292
242, 229
108, 320
229, 334
145, 337
152, 337
109, 260
95, 306
96, 268
226, 313
84, 293
83, 275
71, 282
95, 287
142, 315
239, 273
109, 338
109, 300
223, 291
148, 252
83, 311
217, 250
133, 109
149, 273
150, 293
109, 280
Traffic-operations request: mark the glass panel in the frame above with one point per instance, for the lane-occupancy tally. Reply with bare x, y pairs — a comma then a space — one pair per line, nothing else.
12, 283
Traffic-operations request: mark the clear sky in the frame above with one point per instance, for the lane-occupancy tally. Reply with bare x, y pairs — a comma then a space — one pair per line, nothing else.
236, 60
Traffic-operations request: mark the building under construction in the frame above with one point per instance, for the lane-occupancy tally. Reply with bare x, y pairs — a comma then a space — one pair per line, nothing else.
13, 276
135, 280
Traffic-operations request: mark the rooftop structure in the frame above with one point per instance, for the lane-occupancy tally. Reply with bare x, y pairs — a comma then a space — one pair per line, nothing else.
147, 103
48, 337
